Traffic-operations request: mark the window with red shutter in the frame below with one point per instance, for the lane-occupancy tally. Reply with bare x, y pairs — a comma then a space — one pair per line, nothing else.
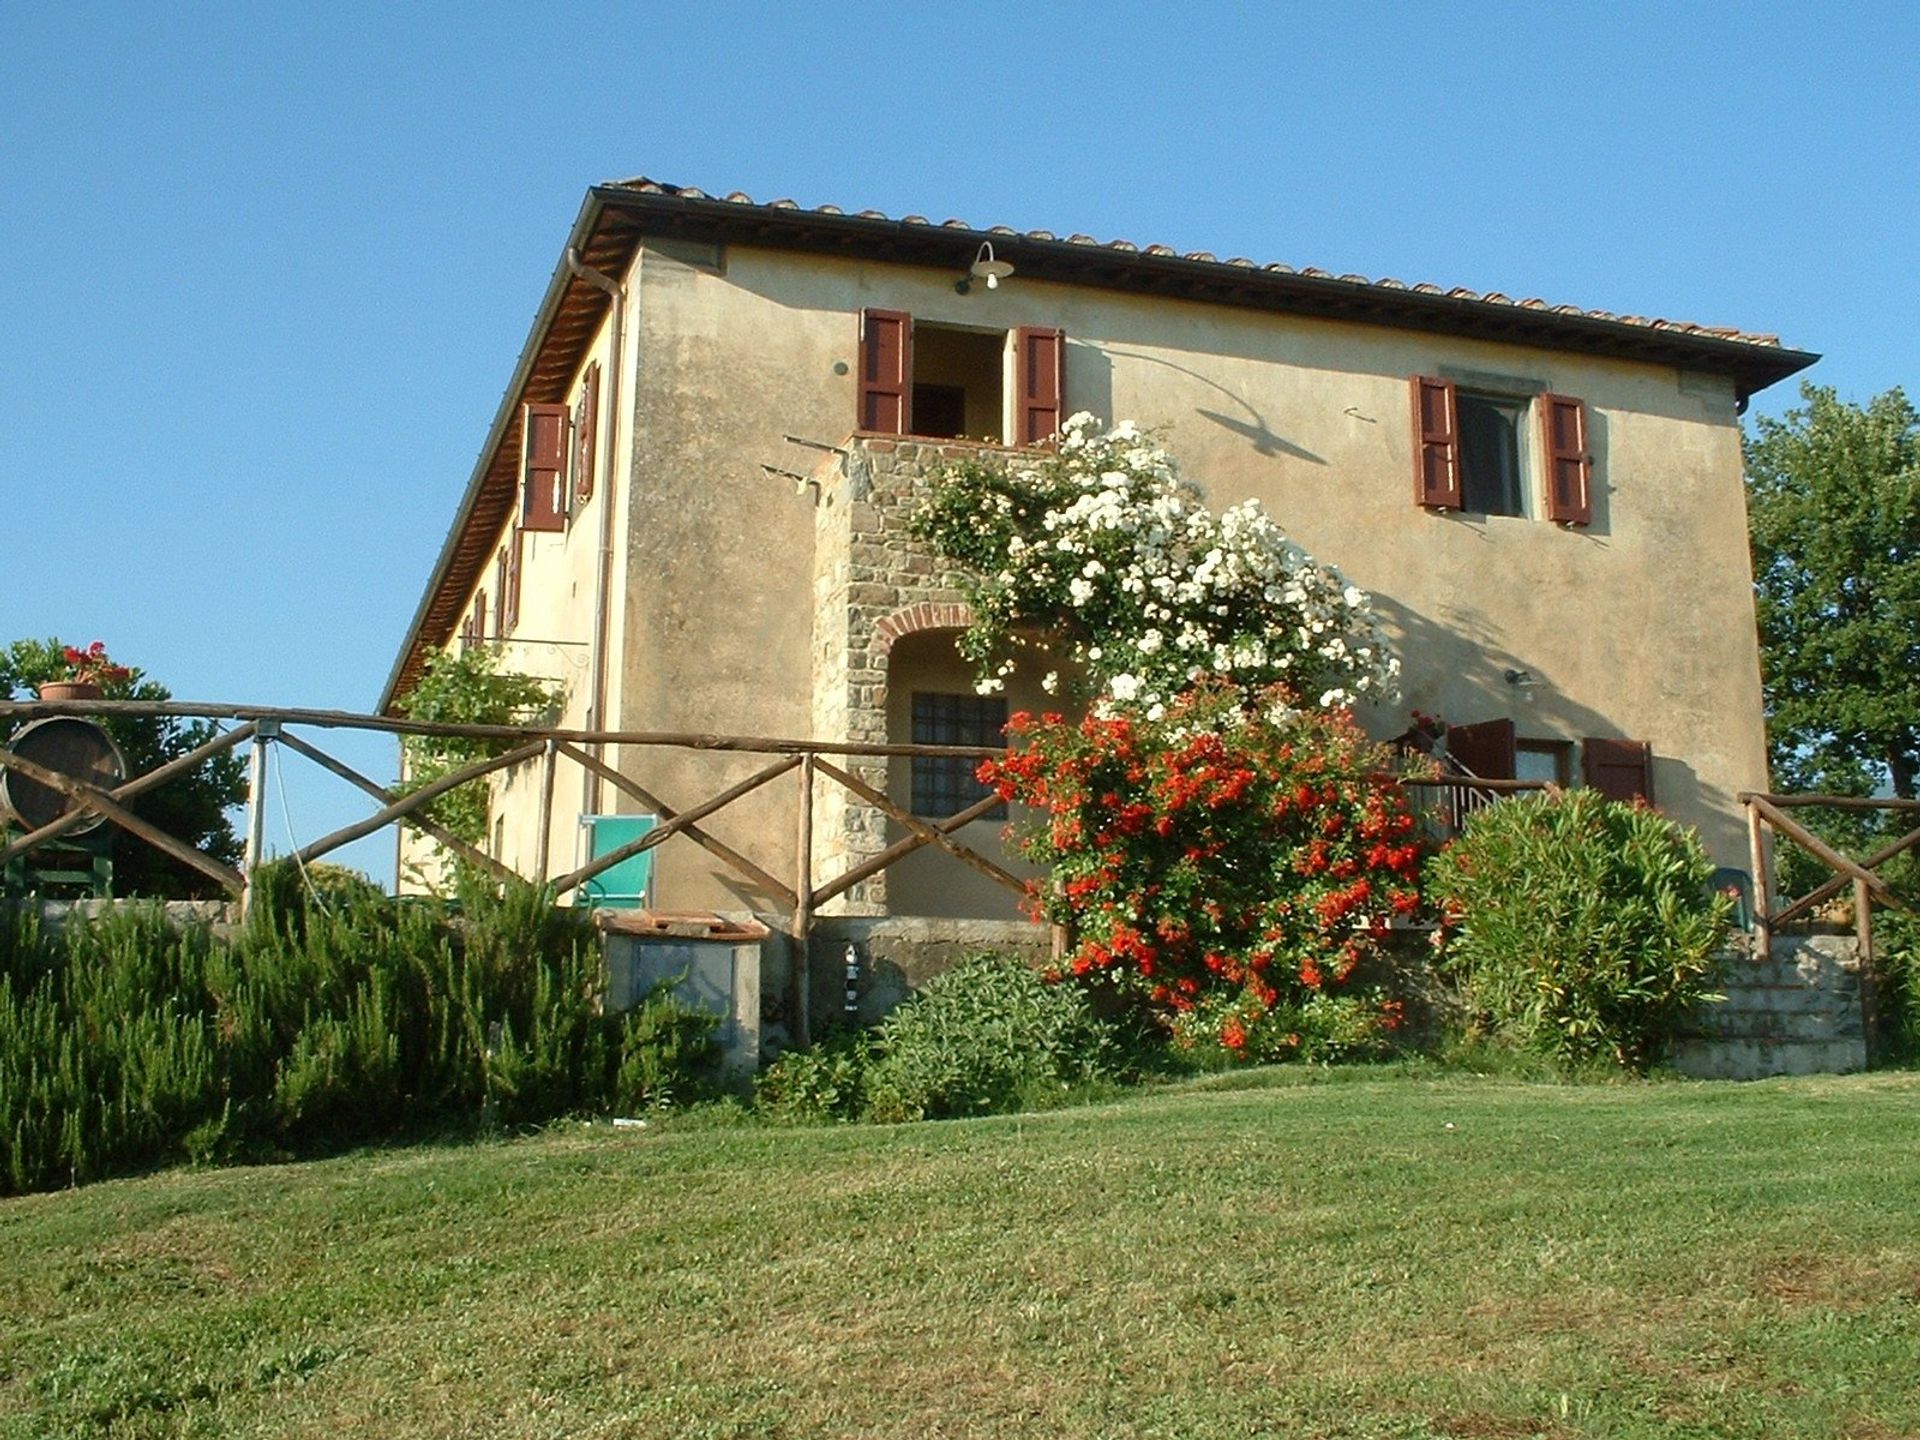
479, 621
1486, 750
886, 372
586, 417
500, 592
513, 579
1618, 769
543, 452
1436, 444
1039, 381
948, 381
1569, 465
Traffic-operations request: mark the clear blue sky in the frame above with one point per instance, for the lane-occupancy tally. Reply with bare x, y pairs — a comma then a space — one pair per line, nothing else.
264, 274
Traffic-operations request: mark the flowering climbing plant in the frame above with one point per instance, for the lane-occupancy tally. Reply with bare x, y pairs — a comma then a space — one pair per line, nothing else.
1101, 544
1231, 867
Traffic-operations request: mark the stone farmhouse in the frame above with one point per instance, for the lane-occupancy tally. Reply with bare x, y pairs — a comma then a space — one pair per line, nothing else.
690, 507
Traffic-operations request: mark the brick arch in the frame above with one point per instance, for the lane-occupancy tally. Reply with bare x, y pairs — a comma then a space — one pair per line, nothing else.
927, 615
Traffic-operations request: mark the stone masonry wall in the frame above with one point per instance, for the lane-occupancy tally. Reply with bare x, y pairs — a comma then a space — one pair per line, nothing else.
1793, 1012
871, 585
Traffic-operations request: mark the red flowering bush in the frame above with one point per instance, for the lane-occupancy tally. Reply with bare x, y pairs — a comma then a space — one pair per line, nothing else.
1231, 868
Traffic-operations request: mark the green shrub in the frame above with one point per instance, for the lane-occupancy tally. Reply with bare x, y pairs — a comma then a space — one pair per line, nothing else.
334, 1017
988, 1035
1579, 926
668, 1054
827, 1081
1896, 939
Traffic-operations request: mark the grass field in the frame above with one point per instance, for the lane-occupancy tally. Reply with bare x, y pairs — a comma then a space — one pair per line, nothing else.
1266, 1254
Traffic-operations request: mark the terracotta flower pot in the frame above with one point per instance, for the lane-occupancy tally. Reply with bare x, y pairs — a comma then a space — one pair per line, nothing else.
71, 690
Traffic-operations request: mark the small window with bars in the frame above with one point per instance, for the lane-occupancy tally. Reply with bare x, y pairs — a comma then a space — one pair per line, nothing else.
945, 785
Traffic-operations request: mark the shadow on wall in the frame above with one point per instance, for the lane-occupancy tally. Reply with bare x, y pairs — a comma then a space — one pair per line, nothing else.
1453, 668
1249, 424
1089, 374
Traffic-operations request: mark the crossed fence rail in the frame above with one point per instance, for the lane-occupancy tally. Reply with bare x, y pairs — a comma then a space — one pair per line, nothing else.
1445, 800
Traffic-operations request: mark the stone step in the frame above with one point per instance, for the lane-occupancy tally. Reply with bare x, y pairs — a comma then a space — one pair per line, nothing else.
1753, 1059
1795, 1011
1788, 997
1792, 1025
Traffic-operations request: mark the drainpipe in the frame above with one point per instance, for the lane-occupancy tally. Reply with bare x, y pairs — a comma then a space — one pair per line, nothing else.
603, 572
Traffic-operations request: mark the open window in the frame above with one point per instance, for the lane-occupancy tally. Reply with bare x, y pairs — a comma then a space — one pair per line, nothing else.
1491, 476
1491, 750
959, 382
1474, 451
948, 381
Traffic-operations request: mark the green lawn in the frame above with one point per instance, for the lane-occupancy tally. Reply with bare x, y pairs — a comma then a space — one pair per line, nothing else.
1268, 1254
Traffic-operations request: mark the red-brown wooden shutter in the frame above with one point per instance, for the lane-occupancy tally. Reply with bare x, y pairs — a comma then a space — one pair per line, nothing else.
1486, 749
886, 372
1039, 381
513, 578
479, 621
1569, 466
543, 501
585, 428
1436, 443
500, 592
1618, 769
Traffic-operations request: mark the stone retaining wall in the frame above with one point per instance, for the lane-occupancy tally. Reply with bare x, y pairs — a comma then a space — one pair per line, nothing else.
1794, 1012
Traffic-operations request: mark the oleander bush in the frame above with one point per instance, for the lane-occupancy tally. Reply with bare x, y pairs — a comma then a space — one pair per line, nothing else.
335, 1016
1579, 926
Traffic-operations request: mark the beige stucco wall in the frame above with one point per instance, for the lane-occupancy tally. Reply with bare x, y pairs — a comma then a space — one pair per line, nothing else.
551, 638
1638, 626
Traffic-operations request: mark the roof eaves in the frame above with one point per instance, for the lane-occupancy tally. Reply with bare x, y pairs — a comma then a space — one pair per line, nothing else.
503, 418
1755, 361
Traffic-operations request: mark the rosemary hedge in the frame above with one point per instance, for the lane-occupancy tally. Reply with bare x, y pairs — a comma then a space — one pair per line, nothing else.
330, 1019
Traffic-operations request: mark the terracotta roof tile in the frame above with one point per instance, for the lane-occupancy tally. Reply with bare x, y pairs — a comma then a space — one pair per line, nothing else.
643, 185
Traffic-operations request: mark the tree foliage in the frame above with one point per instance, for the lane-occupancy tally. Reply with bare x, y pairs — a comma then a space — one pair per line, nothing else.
192, 807
1834, 501
467, 688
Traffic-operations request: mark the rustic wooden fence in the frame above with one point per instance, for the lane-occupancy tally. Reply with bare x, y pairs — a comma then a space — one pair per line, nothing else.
814, 762
1768, 819
1446, 799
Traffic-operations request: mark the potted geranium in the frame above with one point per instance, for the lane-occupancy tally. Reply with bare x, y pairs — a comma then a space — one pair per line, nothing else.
90, 671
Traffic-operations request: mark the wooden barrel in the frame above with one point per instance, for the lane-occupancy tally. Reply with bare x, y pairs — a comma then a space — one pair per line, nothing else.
76, 748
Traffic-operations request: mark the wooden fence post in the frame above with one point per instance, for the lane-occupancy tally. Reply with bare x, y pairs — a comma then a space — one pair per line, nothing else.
1869, 987
263, 734
803, 911
544, 852
1762, 883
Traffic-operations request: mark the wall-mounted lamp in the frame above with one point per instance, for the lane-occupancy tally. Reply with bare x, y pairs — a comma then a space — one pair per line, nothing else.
1525, 679
985, 267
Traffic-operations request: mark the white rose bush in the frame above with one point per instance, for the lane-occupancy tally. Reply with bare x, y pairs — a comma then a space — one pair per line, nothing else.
1104, 549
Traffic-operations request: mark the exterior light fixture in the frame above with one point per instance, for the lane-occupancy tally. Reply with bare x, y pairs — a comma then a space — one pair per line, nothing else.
1522, 679
985, 267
